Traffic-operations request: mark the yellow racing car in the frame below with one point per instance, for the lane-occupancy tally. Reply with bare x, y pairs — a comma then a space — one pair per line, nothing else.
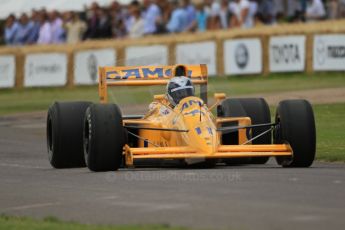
179, 126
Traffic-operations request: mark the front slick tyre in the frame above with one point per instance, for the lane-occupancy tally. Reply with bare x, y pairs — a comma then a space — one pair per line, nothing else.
103, 137
296, 126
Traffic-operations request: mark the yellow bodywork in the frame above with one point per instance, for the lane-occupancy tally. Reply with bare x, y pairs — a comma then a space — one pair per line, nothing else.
192, 127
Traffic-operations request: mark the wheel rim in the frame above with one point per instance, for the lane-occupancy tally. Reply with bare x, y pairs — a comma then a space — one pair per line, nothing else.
277, 130
278, 139
50, 143
86, 138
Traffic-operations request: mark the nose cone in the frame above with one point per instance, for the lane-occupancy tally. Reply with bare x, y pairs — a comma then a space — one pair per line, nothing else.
202, 131
202, 134
197, 119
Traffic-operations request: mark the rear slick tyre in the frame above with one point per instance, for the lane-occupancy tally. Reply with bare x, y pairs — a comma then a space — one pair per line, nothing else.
258, 111
65, 134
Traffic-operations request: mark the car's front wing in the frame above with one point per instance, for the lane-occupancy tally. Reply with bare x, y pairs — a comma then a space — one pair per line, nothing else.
223, 151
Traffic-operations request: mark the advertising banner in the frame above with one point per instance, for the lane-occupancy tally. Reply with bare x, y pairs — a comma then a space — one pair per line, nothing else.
86, 65
7, 71
242, 56
146, 55
45, 69
198, 53
287, 54
329, 52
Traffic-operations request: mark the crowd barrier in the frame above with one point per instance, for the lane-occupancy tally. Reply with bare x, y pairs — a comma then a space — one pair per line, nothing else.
260, 51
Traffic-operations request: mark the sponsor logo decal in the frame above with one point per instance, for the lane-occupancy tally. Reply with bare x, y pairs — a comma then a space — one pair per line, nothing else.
44, 69
190, 103
141, 73
92, 67
241, 56
195, 112
321, 52
286, 53
328, 52
164, 110
336, 51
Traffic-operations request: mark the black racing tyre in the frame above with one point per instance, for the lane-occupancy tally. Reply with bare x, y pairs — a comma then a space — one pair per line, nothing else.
296, 126
255, 108
65, 134
104, 137
231, 107
259, 112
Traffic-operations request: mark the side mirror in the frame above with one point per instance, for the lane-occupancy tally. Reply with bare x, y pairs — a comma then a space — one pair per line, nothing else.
159, 97
219, 96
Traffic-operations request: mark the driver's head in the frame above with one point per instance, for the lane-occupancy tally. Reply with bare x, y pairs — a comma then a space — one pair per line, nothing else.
179, 88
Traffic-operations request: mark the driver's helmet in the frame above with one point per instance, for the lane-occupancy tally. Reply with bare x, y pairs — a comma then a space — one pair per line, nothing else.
179, 88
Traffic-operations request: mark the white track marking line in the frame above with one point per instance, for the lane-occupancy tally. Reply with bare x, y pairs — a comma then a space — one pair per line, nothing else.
148, 206
30, 126
20, 166
30, 206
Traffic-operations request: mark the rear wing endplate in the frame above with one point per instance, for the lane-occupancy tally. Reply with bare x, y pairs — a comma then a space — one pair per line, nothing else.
148, 75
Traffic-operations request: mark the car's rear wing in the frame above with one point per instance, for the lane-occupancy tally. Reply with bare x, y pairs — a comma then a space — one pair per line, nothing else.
148, 75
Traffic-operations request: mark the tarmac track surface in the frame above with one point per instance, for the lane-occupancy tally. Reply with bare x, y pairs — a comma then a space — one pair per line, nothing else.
237, 197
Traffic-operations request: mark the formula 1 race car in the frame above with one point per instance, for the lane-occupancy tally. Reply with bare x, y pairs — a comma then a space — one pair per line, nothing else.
100, 137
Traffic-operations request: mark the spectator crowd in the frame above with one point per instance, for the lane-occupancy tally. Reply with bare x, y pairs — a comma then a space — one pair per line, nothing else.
147, 17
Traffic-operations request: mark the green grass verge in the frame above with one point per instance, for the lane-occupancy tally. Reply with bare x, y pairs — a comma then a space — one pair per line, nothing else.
35, 99
52, 223
239, 85
330, 126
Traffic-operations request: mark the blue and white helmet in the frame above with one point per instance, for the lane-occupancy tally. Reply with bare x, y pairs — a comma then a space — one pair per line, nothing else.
179, 88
